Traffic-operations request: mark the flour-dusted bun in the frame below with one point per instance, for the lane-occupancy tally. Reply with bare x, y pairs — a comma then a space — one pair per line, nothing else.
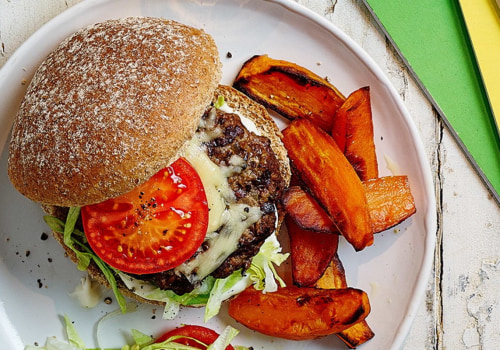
109, 108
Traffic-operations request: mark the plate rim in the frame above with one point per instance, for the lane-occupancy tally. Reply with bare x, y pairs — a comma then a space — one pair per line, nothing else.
430, 216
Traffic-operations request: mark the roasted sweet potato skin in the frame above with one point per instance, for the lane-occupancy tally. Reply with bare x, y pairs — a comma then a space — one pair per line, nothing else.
353, 130
390, 201
331, 146
300, 313
357, 334
289, 89
306, 212
334, 277
310, 253
331, 178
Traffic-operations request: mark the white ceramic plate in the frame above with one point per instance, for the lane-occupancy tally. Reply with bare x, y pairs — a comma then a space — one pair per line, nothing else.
36, 278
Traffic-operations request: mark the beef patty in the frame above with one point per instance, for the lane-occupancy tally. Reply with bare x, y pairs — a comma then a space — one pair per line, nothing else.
257, 183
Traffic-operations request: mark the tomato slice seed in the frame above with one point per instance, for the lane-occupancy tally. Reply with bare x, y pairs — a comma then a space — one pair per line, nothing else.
155, 227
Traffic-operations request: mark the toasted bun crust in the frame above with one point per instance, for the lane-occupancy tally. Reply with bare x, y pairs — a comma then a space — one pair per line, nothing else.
109, 108
265, 126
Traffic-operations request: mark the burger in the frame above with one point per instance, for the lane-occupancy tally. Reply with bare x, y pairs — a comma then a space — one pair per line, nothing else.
160, 182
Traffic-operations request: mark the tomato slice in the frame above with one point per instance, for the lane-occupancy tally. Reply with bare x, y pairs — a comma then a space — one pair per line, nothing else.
205, 335
155, 227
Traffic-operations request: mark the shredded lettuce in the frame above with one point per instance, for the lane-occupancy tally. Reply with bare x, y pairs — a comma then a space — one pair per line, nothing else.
74, 341
140, 338
262, 271
53, 343
131, 307
224, 339
141, 341
73, 336
199, 296
223, 290
84, 255
67, 229
212, 292
261, 274
220, 102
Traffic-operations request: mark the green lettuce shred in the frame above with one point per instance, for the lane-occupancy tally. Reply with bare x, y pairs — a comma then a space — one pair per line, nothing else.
212, 292
262, 271
84, 254
220, 102
262, 274
73, 336
141, 341
223, 290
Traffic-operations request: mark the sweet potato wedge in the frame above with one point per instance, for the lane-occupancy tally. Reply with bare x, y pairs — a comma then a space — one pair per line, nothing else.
310, 253
300, 313
334, 275
306, 212
357, 334
339, 126
333, 278
390, 201
289, 89
331, 179
353, 131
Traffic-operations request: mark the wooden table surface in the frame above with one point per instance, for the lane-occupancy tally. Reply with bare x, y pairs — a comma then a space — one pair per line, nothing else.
461, 308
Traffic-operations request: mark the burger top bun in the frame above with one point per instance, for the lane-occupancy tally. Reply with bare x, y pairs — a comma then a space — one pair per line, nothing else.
109, 108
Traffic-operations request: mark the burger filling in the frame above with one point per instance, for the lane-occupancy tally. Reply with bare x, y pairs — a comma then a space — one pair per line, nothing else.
241, 177
242, 181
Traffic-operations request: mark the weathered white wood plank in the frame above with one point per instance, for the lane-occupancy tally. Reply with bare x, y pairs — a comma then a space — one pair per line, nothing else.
19, 19
470, 282
461, 308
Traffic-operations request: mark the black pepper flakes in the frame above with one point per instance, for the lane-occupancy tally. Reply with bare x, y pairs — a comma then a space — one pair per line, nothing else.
229, 54
44, 236
108, 300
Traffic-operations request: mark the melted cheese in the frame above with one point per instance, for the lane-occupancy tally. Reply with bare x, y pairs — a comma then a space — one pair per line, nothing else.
227, 219
214, 181
236, 219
